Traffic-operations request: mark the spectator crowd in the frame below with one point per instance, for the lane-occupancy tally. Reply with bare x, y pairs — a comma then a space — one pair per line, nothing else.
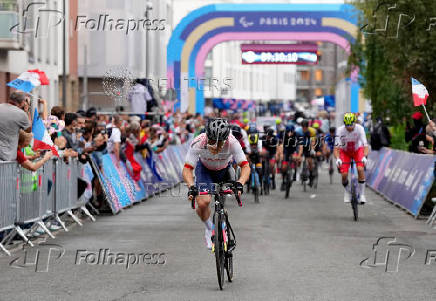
87, 135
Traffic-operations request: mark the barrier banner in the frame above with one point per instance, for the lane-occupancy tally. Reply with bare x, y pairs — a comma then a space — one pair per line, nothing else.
119, 194
404, 178
158, 172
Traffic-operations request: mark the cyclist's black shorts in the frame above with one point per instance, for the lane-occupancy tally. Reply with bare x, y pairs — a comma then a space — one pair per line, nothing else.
255, 157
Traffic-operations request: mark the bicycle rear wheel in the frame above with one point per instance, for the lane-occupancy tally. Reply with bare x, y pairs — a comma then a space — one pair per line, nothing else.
354, 204
315, 176
331, 170
288, 184
304, 175
256, 188
229, 266
219, 249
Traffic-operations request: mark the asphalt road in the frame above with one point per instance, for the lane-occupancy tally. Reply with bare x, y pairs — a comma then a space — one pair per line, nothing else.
304, 248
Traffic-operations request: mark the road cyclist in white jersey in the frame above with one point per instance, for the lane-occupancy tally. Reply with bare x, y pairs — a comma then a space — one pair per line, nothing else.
351, 144
210, 156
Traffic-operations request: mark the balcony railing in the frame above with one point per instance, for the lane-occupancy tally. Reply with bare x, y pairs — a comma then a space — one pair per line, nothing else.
9, 16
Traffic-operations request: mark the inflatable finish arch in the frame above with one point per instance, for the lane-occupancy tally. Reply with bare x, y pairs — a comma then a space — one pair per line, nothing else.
202, 29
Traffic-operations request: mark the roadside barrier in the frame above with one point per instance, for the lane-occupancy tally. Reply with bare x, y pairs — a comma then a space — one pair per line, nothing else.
403, 178
35, 198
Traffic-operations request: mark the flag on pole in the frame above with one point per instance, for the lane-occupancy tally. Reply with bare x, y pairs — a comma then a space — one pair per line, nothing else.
38, 129
28, 80
419, 92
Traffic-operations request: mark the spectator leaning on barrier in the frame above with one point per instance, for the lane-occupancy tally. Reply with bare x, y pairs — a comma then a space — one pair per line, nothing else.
12, 119
69, 132
23, 141
416, 134
431, 135
380, 136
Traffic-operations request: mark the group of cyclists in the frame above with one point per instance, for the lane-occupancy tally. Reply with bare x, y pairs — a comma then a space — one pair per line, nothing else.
213, 154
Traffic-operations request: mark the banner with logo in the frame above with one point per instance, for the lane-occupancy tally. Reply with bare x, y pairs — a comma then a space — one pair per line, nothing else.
404, 178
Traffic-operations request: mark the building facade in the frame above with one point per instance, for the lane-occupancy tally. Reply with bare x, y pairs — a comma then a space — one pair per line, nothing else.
117, 37
31, 35
318, 80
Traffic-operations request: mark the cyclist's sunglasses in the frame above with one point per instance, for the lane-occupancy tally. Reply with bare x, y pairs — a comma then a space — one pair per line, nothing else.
349, 126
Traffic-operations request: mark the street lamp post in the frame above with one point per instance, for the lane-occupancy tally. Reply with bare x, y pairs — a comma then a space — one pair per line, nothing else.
149, 6
64, 58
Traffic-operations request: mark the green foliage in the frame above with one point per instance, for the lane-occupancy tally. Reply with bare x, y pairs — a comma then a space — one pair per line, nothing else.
389, 58
398, 137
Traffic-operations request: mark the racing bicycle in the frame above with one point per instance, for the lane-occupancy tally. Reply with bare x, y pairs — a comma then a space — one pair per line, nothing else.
223, 237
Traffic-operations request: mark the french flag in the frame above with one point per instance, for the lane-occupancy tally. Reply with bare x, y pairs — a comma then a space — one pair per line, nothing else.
419, 92
41, 138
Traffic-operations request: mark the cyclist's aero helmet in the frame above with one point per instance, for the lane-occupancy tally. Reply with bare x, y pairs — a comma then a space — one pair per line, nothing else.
290, 128
253, 138
236, 131
349, 119
217, 129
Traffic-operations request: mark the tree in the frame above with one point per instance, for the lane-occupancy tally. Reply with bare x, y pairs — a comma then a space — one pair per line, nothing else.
396, 42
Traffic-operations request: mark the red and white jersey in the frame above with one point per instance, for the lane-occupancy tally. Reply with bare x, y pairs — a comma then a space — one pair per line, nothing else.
198, 151
351, 141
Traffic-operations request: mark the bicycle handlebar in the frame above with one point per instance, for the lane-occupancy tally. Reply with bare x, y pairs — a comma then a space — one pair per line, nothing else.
222, 184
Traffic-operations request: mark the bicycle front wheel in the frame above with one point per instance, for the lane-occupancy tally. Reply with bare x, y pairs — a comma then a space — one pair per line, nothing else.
219, 249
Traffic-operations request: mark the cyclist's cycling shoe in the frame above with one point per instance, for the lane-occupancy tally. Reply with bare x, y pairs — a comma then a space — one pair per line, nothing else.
362, 200
208, 237
347, 197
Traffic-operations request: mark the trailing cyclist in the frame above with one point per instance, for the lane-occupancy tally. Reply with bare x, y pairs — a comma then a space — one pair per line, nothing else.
329, 143
308, 141
351, 144
269, 146
290, 152
211, 154
255, 149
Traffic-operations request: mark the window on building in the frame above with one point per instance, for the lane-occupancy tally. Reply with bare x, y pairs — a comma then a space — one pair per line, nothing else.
303, 75
318, 75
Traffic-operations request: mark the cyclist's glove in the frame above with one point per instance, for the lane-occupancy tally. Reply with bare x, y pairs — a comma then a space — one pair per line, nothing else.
364, 160
338, 163
239, 187
193, 190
